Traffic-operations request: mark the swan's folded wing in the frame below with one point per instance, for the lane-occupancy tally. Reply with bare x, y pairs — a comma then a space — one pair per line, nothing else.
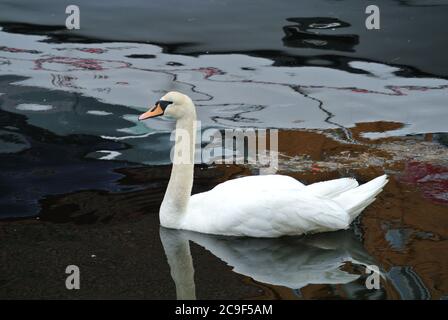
266, 213
319, 213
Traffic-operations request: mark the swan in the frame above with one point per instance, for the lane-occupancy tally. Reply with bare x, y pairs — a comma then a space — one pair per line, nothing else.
292, 262
266, 206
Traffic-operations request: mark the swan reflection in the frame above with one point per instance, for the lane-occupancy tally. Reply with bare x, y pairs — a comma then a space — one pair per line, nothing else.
293, 262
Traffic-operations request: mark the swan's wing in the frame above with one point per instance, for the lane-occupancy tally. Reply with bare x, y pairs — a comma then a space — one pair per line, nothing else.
262, 213
332, 188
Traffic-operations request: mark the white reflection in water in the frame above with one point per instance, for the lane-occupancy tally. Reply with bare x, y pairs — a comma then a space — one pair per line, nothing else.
99, 112
33, 107
231, 90
110, 155
293, 262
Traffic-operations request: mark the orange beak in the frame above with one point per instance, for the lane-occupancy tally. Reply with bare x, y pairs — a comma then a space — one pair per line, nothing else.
154, 112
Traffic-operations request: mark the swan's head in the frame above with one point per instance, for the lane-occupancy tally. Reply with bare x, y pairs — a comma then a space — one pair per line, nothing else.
173, 104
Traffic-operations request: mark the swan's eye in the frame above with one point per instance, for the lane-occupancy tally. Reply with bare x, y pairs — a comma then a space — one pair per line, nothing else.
163, 104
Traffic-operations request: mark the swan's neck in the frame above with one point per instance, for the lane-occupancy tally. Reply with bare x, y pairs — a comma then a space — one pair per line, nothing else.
177, 195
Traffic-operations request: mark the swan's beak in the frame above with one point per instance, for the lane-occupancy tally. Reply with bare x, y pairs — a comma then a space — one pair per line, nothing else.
153, 112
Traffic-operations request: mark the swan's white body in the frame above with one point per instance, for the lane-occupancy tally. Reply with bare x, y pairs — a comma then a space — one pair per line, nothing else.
273, 206
256, 206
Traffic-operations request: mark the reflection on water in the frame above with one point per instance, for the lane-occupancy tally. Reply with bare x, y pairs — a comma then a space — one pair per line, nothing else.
408, 283
307, 33
292, 262
347, 101
88, 96
229, 90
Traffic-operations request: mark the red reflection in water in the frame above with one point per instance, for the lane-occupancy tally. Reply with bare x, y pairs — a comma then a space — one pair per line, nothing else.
93, 50
18, 50
208, 72
432, 180
81, 64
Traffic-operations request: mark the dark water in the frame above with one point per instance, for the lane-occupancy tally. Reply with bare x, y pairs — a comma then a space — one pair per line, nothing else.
73, 154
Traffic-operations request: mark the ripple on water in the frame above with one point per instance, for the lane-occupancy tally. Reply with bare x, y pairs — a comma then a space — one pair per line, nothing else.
99, 112
33, 107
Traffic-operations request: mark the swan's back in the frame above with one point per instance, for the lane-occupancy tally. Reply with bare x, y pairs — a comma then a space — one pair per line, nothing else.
264, 182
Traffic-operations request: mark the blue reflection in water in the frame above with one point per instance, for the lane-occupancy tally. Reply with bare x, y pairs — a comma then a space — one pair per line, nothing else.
408, 283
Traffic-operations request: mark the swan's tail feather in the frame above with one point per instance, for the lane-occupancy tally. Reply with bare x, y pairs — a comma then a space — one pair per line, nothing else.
332, 188
354, 201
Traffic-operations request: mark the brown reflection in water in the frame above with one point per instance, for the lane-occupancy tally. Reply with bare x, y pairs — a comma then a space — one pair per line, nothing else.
377, 126
425, 246
407, 227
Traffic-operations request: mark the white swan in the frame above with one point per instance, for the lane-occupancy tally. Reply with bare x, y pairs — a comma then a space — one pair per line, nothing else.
256, 206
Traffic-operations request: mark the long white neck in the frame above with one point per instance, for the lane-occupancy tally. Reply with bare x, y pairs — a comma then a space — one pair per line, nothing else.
177, 195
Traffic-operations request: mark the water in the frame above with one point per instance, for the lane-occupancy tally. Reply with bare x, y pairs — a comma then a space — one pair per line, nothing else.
78, 171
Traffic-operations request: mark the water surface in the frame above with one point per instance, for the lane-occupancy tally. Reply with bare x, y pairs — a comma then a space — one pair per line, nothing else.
81, 179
